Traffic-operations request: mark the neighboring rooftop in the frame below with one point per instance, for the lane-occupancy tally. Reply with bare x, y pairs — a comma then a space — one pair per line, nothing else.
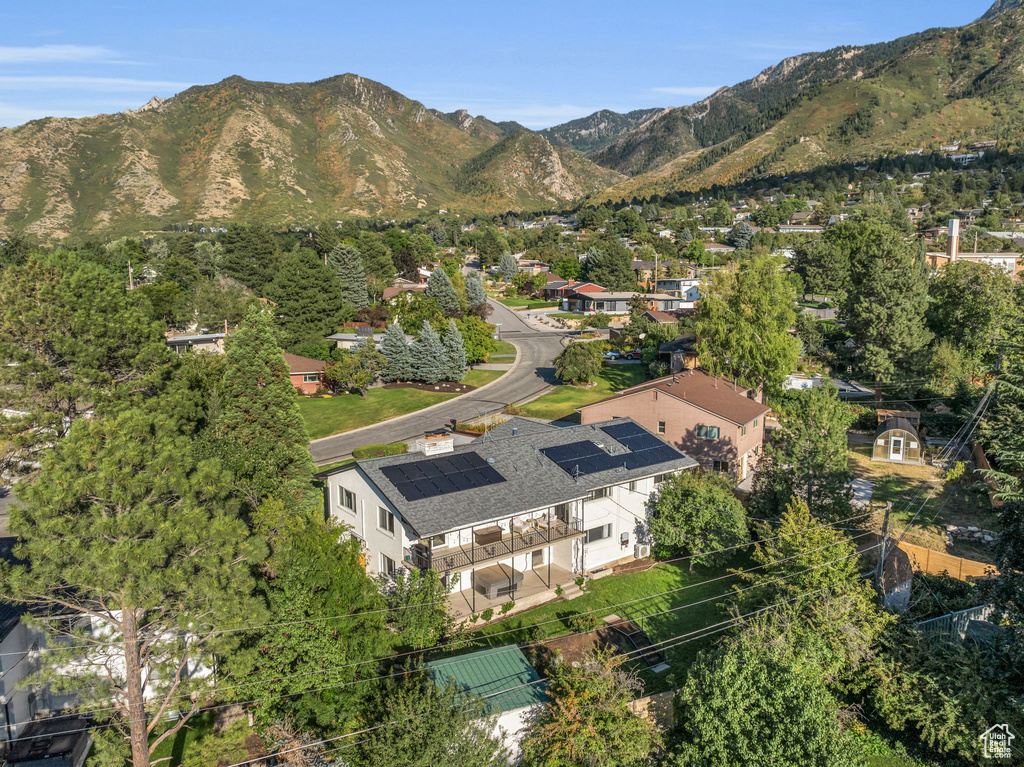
531, 479
297, 364
710, 393
487, 672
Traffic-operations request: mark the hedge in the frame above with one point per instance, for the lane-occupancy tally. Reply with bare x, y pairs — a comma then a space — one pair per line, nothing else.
379, 451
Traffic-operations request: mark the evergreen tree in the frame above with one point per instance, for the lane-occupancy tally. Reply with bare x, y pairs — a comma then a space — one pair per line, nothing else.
260, 422
454, 353
397, 355
475, 295
508, 267
741, 235
309, 302
612, 271
440, 288
71, 341
251, 255
377, 257
348, 266
490, 245
427, 353
884, 310
127, 526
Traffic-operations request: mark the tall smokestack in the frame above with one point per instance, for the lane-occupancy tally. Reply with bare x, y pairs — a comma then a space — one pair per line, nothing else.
953, 243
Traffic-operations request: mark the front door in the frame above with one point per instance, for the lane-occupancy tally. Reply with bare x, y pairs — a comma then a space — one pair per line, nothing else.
536, 559
896, 449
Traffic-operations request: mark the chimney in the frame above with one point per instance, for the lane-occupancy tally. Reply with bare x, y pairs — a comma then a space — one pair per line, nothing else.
953, 243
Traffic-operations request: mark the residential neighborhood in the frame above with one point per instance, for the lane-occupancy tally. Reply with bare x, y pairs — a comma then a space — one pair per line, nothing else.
339, 430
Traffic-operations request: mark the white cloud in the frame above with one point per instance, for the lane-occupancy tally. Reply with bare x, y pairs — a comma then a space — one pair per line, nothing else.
686, 90
99, 84
43, 54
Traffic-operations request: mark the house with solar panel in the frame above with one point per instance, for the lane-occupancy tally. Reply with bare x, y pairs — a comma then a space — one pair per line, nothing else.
511, 516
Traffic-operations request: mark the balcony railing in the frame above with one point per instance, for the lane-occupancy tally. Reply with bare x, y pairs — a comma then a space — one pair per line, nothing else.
451, 558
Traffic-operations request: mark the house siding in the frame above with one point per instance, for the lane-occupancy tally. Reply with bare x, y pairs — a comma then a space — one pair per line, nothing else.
681, 419
306, 387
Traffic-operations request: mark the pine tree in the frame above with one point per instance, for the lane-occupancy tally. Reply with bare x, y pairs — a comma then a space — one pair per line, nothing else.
348, 266
454, 353
251, 255
260, 421
428, 356
398, 356
309, 303
440, 288
475, 295
508, 267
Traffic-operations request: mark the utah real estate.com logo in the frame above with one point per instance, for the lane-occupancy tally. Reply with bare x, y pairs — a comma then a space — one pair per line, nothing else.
996, 742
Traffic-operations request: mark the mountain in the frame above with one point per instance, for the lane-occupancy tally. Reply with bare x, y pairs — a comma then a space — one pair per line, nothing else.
240, 150
478, 126
525, 167
844, 105
1001, 6
596, 131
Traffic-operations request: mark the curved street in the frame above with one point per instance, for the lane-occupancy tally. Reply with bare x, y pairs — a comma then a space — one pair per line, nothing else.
533, 374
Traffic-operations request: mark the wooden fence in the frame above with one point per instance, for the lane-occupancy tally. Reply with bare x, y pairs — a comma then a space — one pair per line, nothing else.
658, 707
936, 562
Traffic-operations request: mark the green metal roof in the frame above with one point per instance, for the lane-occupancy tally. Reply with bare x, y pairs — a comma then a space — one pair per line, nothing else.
487, 672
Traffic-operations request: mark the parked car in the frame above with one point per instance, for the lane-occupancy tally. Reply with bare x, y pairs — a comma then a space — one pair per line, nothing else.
612, 355
633, 354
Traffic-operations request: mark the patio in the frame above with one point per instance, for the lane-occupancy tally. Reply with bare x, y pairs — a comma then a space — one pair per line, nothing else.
532, 590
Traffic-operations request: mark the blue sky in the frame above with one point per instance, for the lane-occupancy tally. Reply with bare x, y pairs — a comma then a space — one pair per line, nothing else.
540, 63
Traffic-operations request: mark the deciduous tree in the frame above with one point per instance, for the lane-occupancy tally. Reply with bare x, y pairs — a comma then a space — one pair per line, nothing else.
578, 363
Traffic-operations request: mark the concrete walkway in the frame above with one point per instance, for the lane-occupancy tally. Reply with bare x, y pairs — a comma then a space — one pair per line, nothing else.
494, 366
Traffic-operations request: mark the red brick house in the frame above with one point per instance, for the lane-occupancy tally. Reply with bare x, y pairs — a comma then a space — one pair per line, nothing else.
307, 375
712, 420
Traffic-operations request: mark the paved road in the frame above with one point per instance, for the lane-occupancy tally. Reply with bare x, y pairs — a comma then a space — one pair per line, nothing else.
534, 373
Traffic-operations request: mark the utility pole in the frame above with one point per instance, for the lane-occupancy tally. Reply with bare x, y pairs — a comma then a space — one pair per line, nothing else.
885, 540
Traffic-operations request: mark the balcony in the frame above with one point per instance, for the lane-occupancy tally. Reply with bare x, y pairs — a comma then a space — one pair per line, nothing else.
495, 542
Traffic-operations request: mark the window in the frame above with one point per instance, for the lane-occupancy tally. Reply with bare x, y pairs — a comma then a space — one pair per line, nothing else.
722, 466
755, 423
633, 486
347, 499
310, 377
707, 432
661, 478
599, 306
661, 427
387, 565
743, 433
599, 533
601, 492
562, 511
385, 520
434, 541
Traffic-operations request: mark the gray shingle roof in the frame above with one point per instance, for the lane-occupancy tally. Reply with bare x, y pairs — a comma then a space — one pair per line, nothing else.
533, 481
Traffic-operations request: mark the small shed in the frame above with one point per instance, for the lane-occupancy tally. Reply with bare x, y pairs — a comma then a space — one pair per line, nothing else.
896, 441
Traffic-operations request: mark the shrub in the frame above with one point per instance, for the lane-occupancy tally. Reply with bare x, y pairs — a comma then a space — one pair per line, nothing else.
558, 591
380, 451
507, 607
582, 623
474, 618
487, 614
956, 472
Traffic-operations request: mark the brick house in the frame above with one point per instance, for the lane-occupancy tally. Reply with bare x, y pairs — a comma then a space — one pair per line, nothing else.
712, 420
307, 375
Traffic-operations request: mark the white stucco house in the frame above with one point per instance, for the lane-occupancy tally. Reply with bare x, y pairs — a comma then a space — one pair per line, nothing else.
523, 510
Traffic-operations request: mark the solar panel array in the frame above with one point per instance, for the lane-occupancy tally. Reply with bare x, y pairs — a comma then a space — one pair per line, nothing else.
581, 458
440, 476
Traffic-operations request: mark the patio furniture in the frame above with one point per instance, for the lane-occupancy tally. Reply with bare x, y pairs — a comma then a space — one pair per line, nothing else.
486, 535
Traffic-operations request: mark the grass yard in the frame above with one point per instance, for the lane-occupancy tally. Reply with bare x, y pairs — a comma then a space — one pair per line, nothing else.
528, 303
338, 465
605, 597
951, 503
504, 348
563, 401
480, 378
345, 412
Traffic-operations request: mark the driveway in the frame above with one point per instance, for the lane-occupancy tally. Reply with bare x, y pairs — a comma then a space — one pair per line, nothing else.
533, 373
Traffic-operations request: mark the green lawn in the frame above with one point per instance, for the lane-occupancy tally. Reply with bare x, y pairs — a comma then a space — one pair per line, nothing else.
603, 595
482, 377
338, 465
528, 303
345, 412
505, 348
563, 401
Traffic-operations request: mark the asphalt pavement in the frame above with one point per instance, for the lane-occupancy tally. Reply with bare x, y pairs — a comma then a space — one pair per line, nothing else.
533, 373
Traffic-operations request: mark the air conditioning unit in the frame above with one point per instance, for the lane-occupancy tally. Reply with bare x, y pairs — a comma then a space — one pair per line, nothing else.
642, 550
